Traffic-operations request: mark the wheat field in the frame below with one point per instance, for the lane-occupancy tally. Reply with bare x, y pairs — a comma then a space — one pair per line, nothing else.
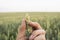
10, 21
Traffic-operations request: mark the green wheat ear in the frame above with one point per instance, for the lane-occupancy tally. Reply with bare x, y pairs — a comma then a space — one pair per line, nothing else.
27, 26
27, 18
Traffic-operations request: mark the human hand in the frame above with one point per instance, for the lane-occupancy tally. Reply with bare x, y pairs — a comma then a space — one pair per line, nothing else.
38, 33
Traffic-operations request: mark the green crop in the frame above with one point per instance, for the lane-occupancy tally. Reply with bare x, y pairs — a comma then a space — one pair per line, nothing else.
28, 28
27, 18
9, 24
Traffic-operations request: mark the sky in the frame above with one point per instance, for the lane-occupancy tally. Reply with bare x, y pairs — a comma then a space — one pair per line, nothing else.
29, 5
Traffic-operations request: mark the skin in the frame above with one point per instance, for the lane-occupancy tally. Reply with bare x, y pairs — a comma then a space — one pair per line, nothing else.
21, 31
37, 31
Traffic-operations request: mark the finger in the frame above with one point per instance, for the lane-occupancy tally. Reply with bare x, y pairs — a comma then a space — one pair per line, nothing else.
40, 37
23, 22
22, 28
35, 25
21, 31
36, 33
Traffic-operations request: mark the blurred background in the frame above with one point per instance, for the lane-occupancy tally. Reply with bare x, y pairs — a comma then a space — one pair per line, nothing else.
45, 12
10, 21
